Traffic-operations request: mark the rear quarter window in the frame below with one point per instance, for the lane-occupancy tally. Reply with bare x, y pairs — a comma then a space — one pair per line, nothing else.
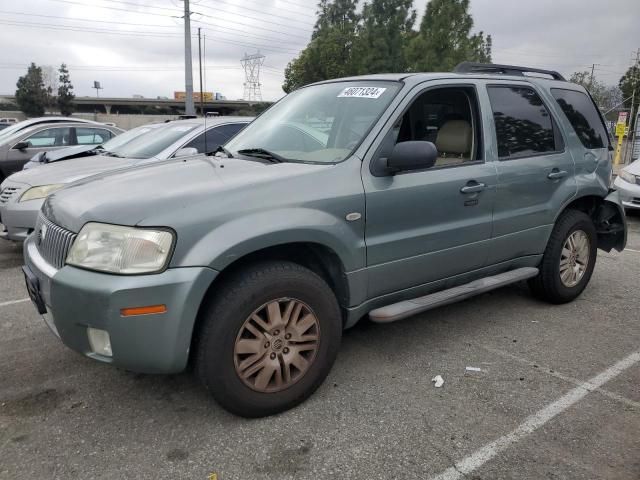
583, 116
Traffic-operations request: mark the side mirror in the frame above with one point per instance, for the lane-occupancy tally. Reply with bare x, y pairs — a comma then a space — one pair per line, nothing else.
413, 155
21, 146
186, 152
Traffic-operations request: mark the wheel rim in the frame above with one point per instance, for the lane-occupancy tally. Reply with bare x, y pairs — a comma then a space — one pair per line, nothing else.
574, 259
276, 345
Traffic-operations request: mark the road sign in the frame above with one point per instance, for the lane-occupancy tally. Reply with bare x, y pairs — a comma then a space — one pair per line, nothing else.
620, 129
622, 117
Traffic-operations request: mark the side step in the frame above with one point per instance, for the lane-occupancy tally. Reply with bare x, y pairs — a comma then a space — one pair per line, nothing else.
407, 308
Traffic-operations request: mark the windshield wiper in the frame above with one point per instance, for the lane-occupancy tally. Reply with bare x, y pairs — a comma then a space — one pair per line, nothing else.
262, 153
223, 150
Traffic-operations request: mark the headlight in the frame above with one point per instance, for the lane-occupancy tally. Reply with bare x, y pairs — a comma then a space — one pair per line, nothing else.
627, 177
122, 250
42, 191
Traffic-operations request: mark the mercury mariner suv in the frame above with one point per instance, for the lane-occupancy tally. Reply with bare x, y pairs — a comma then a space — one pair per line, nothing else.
380, 196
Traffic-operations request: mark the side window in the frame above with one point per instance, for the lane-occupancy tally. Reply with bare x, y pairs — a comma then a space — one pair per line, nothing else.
447, 117
583, 116
215, 137
523, 124
92, 136
51, 137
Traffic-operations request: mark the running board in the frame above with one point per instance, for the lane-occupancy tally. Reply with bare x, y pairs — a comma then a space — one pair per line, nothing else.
407, 308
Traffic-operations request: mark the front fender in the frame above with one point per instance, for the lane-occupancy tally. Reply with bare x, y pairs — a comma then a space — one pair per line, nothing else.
611, 223
247, 234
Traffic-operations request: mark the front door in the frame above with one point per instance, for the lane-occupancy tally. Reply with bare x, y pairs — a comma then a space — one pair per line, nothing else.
536, 172
42, 141
432, 224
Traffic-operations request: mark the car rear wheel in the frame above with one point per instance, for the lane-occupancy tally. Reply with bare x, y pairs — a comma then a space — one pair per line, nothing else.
569, 259
269, 338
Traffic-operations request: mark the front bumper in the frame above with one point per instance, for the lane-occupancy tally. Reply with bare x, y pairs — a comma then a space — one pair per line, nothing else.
629, 193
77, 300
19, 219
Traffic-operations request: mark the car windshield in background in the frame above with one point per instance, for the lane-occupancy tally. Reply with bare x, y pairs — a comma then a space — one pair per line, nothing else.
126, 137
151, 143
319, 124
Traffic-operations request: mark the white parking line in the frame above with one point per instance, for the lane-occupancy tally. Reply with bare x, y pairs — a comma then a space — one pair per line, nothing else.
535, 421
554, 373
13, 302
631, 250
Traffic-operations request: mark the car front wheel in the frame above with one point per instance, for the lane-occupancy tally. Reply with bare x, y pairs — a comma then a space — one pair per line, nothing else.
269, 338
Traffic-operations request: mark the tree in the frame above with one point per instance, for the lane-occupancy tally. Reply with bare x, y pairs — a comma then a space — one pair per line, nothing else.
630, 84
65, 92
385, 32
329, 53
50, 80
31, 95
606, 97
445, 38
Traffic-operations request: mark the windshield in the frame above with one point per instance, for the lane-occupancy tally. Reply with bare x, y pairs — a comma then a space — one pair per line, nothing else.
319, 124
7, 132
155, 141
127, 136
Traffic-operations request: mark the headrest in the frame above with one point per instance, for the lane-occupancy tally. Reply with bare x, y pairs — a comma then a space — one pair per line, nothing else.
454, 137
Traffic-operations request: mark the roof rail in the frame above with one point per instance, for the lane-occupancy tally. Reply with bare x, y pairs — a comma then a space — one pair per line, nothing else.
474, 67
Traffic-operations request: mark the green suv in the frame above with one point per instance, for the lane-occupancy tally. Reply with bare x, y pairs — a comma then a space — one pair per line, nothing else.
382, 195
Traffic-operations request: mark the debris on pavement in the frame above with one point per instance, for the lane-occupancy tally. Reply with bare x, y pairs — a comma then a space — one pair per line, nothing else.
438, 381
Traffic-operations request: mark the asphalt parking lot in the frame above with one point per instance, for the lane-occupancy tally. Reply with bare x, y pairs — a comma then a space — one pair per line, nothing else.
557, 397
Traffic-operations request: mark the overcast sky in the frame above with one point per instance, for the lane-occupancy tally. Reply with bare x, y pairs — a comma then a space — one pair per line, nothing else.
137, 46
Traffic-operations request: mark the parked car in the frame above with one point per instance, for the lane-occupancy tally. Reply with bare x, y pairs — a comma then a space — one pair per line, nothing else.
8, 120
17, 149
16, 127
78, 151
425, 189
627, 183
22, 194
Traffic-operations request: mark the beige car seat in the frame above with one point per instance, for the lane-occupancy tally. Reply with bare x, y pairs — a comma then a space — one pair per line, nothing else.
454, 142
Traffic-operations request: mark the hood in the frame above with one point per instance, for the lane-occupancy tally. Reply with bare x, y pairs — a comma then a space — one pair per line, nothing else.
129, 196
66, 153
71, 170
634, 168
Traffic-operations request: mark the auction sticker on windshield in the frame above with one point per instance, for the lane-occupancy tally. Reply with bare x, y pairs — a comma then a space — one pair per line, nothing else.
362, 92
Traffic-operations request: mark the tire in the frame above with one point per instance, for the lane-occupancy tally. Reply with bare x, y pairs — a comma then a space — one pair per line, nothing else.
225, 339
551, 284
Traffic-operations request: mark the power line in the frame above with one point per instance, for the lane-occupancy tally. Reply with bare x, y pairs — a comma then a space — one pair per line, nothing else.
306, 7
261, 12
252, 25
88, 20
128, 10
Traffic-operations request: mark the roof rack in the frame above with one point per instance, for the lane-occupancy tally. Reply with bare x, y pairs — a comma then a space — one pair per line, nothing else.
474, 67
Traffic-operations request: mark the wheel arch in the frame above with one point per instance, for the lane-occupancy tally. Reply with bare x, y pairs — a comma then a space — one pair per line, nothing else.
608, 217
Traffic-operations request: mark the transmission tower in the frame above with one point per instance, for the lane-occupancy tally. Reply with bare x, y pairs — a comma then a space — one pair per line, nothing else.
251, 65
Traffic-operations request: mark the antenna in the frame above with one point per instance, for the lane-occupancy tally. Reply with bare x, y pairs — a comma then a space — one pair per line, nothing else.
251, 65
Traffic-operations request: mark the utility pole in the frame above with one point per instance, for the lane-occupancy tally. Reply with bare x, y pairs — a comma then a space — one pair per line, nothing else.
593, 67
189, 108
200, 68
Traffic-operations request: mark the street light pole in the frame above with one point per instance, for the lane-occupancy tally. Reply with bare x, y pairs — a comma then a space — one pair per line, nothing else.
189, 108
200, 68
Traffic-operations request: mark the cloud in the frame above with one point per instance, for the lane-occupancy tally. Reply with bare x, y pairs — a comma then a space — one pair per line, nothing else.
139, 49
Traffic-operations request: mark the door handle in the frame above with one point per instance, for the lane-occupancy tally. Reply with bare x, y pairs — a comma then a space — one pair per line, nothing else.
556, 174
473, 187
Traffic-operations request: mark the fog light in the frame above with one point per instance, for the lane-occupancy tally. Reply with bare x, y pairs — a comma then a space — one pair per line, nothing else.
99, 341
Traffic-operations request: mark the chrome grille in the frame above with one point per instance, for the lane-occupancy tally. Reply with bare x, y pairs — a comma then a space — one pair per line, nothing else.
7, 193
53, 241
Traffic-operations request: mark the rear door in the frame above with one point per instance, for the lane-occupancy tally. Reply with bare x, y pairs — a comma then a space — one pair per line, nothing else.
536, 171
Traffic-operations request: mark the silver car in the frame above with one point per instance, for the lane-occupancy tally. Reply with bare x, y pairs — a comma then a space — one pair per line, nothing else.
15, 127
17, 149
627, 183
22, 195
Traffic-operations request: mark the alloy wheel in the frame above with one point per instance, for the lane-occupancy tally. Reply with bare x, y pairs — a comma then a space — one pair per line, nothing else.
574, 258
276, 345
